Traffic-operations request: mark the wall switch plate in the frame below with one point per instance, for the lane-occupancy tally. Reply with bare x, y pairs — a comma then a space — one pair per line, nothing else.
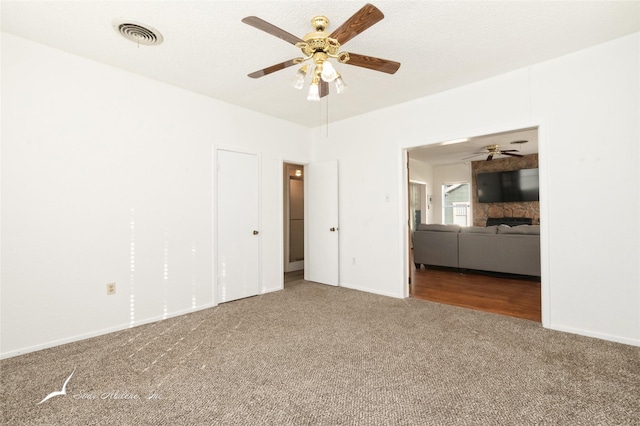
111, 289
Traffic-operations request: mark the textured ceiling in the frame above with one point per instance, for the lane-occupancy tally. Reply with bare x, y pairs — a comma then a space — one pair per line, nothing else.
206, 48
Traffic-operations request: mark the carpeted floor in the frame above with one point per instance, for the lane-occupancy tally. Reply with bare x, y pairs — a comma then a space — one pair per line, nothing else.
318, 355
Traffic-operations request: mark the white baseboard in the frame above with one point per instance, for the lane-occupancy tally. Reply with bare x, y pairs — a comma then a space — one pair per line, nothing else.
271, 290
369, 290
97, 333
596, 335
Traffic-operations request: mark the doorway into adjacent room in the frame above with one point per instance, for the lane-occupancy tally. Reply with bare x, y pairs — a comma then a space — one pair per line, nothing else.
453, 167
293, 216
310, 229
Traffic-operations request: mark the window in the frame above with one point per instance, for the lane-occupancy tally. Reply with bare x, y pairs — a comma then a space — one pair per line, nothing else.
456, 203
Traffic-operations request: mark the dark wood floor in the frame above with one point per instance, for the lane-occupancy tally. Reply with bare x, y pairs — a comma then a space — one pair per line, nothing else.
501, 295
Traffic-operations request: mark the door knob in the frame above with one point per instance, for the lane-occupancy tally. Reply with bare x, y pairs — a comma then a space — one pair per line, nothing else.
332, 229
255, 232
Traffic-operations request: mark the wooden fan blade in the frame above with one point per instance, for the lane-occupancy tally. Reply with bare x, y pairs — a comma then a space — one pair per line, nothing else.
272, 68
511, 154
509, 150
323, 89
372, 63
359, 21
263, 25
490, 157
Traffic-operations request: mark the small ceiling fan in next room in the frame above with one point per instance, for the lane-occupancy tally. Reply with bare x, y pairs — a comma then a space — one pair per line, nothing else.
491, 151
318, 47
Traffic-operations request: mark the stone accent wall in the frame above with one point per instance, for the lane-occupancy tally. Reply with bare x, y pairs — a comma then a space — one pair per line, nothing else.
481, 211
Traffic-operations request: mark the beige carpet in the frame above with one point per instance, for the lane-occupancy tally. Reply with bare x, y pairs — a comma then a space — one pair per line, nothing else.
318, 355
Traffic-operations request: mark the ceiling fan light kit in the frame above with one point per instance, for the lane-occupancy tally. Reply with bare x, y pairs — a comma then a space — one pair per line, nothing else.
298, 78
314, 92
320, 46
341, 86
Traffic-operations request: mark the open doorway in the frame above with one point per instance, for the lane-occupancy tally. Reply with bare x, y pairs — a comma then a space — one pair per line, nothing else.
509, 286
293, 216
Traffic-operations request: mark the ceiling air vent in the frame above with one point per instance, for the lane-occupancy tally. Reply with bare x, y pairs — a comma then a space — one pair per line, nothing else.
137, 32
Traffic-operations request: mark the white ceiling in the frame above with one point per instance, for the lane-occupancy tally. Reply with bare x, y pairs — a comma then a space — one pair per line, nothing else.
464, 151
207, 49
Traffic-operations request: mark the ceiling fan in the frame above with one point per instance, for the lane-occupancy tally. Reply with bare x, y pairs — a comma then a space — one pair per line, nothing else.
493, 150
320, 46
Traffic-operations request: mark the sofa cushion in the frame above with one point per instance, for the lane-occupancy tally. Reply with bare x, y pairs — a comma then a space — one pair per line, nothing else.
439, 228
521, 229
479, 230
510, 221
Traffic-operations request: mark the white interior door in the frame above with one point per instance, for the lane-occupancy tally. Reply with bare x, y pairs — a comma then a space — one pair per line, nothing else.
321, 202
238, 219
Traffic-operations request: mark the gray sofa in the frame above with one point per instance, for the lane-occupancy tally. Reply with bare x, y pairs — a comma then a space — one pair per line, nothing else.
505, 249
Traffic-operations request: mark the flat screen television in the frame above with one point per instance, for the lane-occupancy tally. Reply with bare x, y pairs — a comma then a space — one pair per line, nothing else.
507, 187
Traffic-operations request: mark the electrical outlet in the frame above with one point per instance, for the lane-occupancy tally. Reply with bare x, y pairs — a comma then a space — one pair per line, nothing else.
111, 289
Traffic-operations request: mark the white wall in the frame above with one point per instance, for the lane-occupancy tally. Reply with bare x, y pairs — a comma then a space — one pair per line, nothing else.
370, 196
587, 107
420, 171
107, 177
87, 150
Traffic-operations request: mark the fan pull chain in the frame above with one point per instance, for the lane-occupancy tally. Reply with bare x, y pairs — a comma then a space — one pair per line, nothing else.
327, 115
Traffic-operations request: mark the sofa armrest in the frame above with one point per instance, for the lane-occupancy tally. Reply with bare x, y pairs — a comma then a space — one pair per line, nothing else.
435, 248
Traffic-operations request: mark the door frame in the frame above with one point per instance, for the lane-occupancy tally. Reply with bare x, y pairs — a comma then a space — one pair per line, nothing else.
286, 264
303, 164
307, 193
